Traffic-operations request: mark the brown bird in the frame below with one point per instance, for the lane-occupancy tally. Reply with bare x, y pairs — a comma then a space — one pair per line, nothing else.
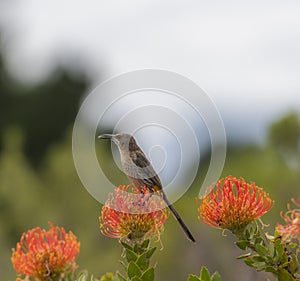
140, 172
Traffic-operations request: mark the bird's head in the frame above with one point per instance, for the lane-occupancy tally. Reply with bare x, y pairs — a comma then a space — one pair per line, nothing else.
122, 140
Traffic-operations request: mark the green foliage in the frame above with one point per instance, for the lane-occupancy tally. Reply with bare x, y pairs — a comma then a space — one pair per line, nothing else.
270, 254
205, 276
284, 136
43, 112
137, 265
285, 133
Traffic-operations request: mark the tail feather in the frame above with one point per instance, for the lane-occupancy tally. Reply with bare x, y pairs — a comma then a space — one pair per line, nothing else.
179, 219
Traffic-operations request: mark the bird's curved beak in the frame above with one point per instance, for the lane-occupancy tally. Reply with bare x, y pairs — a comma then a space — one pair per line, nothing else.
105, 136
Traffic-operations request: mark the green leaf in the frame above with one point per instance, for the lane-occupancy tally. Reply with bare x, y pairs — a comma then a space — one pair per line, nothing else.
130, 255
252, 233
259, 265
138, 250
249, 262
145, 244
247, 234
242, 244
126, 246
259, 259
256, 262
293, 264
143, 262
193, 278
280, 255
148, 275
271, 249
204, 274
279, 247
258, 240
121, 277
150, 252
244, 256
261, 250
283, 275
133, 270
272, 269
216, 277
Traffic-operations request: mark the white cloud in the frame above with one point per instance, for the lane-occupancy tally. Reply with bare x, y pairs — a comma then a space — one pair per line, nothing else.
244, 54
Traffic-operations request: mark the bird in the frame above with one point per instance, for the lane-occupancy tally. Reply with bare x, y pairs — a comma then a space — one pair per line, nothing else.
140, 171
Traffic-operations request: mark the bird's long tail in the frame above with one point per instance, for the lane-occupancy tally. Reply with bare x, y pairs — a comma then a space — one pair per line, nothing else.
179, 219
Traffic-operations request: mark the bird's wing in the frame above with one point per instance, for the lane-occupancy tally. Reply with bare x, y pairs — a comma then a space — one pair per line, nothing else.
146, 173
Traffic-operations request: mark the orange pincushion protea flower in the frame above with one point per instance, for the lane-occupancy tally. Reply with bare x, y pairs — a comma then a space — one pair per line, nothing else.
46, 254
233, 204
133, 214
292, 228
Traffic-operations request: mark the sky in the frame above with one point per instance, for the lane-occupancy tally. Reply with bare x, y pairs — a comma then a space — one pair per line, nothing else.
244, 54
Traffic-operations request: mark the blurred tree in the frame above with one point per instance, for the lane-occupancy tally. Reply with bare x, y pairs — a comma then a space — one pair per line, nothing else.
284, 135
44, 112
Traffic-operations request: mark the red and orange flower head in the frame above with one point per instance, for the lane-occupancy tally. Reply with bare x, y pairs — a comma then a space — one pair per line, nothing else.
232, 204
291, 230
133, 214
46, 254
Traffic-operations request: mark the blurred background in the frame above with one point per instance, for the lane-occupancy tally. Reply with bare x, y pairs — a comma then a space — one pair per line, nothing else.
52, 53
